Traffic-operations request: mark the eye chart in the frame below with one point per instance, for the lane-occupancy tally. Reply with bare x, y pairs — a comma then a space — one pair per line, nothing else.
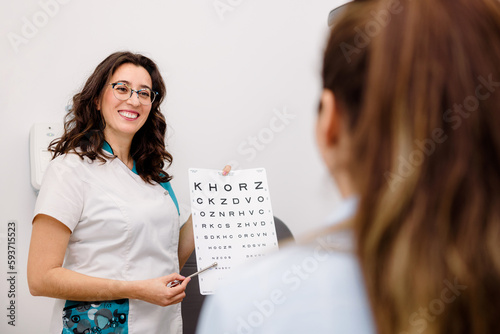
232, 221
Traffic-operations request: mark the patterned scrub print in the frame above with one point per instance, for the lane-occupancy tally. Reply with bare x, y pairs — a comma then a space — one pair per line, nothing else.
105, 317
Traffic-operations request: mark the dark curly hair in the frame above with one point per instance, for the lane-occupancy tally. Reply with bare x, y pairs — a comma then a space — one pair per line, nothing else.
84, 124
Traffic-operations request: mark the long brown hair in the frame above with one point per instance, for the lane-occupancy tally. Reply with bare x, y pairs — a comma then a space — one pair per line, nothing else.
419, 82
84, 124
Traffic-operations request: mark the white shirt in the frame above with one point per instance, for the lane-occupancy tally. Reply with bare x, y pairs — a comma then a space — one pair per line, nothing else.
311, 288
122, 228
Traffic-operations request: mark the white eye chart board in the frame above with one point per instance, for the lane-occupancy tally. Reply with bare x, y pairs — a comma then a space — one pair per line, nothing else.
232, 221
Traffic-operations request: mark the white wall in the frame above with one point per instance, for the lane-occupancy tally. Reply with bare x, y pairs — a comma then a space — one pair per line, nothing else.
229, 73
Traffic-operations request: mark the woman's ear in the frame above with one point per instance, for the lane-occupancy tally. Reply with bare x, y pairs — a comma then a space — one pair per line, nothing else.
97, 103
328, 123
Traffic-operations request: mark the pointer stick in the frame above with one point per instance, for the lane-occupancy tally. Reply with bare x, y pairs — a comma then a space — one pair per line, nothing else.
177, 282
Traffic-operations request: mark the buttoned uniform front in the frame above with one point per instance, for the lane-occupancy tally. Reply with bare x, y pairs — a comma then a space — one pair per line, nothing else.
122, 228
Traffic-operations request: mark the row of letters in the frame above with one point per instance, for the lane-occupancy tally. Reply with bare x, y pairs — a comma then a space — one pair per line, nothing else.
218, 247
213, 214
224, 201
237, 225
257, 185
231, 236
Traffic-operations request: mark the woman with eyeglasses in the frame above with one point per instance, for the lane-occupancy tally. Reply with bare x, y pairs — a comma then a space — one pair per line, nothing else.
106, 236
409, 128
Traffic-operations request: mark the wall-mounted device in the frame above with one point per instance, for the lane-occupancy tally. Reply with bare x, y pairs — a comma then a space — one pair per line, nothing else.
41, 134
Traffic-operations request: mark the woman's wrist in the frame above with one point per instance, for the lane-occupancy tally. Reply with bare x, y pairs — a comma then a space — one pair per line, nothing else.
128, 289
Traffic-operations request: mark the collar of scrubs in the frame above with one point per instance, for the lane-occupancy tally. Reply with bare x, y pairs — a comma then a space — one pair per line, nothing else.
344, 210
166, 185
344, 239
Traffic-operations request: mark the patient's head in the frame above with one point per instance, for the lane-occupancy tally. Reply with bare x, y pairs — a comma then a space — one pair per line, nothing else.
410, 123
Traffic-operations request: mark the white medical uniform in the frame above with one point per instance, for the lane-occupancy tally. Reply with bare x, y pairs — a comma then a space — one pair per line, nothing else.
122, 228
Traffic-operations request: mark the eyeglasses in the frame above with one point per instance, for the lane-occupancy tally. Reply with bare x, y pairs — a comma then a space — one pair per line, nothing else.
123, 92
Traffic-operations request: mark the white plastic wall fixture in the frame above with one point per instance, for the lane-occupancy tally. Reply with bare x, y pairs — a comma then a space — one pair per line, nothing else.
41, 135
